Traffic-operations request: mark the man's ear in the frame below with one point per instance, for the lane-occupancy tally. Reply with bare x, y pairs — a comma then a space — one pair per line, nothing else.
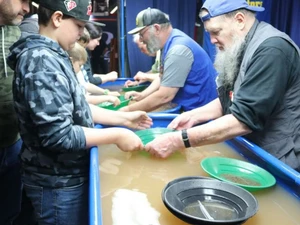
57, 18
240, 20
157, 28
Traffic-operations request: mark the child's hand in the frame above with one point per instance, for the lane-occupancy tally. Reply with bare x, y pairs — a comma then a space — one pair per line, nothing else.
130, 83
112, 76
136, 96
128, 141
115, 100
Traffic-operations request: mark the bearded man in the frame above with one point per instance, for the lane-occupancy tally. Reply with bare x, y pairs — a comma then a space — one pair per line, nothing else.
258, 86
186, 76
12, 13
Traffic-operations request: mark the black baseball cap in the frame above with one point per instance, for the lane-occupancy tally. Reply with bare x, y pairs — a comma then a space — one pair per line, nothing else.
149, 17
78, 9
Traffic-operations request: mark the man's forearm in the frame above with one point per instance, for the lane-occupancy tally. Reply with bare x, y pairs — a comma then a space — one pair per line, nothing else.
221, 129
158, 98
150, 76
147, 104
210, 111
154, 86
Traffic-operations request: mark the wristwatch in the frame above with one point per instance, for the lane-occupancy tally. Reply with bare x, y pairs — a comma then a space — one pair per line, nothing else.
185, 138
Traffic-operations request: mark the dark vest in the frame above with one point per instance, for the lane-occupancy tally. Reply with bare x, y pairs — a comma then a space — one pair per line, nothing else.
281, 134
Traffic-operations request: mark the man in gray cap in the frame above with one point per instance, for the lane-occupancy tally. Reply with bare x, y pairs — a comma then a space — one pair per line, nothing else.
258, 85
187, 75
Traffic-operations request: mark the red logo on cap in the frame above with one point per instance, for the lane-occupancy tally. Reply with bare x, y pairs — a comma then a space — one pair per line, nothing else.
70, 4
89, 9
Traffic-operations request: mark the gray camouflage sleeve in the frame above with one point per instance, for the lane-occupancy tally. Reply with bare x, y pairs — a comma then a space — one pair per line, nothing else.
50, 101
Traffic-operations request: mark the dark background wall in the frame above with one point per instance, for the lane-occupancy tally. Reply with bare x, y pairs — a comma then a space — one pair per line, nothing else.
282, 14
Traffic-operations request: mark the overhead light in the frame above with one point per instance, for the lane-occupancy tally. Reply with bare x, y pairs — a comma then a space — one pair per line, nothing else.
114, 10
35, 4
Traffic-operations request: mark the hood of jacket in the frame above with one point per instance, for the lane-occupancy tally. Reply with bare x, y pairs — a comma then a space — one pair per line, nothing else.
29, 43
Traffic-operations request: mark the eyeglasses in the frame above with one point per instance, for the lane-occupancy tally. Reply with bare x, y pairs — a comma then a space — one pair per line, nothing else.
144, 31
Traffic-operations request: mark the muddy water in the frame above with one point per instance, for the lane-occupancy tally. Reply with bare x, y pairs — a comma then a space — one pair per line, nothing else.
148, 176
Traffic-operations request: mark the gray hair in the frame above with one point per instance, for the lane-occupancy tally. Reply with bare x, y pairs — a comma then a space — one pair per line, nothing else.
244, 11
232, 14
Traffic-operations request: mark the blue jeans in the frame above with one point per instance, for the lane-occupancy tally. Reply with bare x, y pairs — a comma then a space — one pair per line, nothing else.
10, 183
59, 206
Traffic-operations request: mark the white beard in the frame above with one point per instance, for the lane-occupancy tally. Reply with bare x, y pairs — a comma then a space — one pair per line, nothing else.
227, 62
153, 44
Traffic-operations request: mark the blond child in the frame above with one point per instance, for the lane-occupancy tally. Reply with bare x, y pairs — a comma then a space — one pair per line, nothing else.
94, 95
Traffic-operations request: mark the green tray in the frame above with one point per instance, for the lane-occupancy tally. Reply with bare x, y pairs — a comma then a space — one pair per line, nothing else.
148, 135
238, 172
110, 106
137, 88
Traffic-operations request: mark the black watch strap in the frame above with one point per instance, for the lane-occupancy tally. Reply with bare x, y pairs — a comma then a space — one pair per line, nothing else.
185, 138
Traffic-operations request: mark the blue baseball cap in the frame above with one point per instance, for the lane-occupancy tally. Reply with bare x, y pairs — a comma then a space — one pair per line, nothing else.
220, 7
